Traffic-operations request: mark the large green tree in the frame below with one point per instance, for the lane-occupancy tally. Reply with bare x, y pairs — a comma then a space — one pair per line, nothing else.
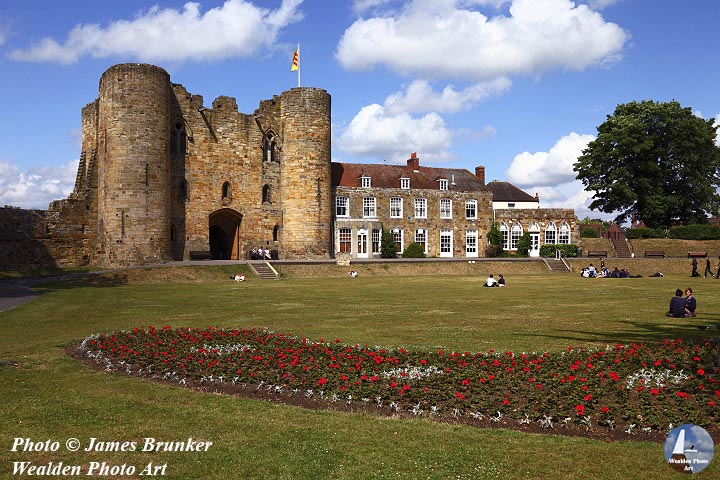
656, 161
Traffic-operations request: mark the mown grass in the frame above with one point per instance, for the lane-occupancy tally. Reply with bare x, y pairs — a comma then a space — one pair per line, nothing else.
50, 396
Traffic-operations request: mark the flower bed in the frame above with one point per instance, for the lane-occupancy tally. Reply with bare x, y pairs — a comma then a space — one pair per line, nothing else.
634, 389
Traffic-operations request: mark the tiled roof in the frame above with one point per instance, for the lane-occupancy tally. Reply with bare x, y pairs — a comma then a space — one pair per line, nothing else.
507, 192
388, 176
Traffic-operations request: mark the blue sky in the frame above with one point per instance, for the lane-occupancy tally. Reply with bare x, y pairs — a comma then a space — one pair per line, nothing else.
517, 86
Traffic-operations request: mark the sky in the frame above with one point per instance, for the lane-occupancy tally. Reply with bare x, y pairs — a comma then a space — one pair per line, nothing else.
518, 86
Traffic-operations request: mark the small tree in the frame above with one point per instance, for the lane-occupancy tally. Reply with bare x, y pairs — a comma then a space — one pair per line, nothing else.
494, 237
524, 244
414, 250
588, 232
388, 248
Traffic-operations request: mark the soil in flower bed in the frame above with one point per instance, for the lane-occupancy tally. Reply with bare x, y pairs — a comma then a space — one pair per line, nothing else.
621, 392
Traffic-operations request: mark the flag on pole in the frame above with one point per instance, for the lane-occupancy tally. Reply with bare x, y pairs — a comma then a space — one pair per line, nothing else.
296, 60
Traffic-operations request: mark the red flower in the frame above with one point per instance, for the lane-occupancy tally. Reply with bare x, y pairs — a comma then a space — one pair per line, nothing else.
459, 395
588, 397
580, 409
322, 381
466, 381
682, 394
605, 409
700, 371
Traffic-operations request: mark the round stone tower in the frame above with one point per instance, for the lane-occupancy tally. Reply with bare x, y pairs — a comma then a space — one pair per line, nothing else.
134, 165
305, 173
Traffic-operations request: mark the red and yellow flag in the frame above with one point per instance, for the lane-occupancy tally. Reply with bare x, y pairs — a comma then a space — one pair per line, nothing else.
296, 60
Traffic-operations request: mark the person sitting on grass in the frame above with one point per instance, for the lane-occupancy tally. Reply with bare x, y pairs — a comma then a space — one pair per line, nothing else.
677, 305
501, 281
490, 282
690, 303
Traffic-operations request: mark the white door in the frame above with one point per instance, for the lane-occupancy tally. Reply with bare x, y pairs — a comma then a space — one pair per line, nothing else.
362, 243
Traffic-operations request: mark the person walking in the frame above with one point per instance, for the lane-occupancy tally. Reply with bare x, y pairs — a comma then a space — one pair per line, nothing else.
694, 272
707, 267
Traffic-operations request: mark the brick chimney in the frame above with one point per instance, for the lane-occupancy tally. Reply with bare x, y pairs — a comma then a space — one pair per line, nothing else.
414, 162
480, 173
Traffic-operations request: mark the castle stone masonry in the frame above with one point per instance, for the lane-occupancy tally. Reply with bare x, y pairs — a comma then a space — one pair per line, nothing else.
162, 176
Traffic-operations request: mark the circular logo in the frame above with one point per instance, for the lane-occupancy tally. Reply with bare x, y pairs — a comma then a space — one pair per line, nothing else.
688, 449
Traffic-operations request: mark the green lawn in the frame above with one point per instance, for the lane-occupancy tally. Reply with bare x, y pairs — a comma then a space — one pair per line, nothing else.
53, 397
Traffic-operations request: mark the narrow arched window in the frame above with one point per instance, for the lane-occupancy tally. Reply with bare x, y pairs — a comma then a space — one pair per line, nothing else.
276, 231
226, 190
505, 232
266, 194
270, 148
183, 194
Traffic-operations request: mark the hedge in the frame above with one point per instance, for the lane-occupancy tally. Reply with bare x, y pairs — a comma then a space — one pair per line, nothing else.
568, 250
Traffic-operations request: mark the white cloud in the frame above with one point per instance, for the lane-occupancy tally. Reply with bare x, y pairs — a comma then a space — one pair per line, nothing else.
37, 187
441, 39
236, 29
551, 175
420, 97
378, 133
549, 168
390, 131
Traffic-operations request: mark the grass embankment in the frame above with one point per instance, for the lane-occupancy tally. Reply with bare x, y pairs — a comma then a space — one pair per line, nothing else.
50, 396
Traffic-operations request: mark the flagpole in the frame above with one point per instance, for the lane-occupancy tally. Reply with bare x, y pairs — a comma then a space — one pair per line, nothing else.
298, 70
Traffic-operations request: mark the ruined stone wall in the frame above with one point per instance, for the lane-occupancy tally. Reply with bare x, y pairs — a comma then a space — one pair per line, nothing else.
21, 234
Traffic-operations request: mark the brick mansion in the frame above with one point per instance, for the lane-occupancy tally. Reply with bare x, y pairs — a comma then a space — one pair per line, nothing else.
162, 177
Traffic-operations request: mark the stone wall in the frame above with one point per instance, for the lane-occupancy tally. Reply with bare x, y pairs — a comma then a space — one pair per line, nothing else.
21, 234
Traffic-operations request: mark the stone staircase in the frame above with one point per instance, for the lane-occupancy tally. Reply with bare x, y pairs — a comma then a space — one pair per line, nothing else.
556, 265
620, 245
264, 270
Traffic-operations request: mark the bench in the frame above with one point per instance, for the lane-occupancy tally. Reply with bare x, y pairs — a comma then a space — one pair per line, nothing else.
199, 254
655, 253
697, 254
597, 253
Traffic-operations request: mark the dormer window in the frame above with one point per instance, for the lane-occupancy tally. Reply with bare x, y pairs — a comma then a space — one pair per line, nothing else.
405, 183
443, 184
365, 182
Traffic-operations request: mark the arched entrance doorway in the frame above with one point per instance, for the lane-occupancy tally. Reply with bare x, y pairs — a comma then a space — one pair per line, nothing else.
225, 234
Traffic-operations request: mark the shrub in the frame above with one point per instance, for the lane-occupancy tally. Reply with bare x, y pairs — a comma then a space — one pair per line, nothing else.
588, 232
548, 250
695, 232
494, 237
632, 233
523, 245
388, 247
414, 250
